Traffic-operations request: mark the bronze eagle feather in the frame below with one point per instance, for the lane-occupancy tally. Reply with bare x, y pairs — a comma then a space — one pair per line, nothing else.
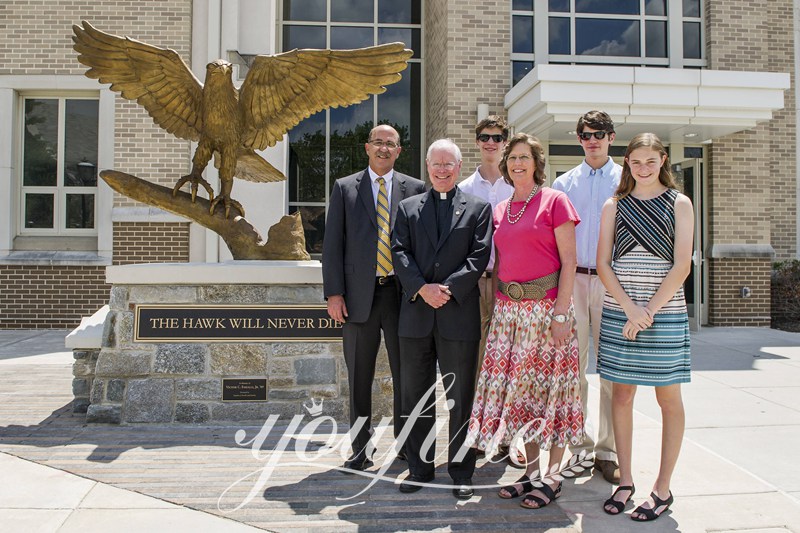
231, 124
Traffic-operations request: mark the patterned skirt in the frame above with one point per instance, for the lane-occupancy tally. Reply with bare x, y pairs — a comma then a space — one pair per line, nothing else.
659, 355
527, 389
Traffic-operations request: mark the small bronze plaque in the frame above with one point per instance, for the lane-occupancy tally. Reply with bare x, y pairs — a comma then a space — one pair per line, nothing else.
234, 323
244, 390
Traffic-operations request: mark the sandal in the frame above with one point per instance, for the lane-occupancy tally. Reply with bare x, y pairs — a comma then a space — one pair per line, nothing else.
520, 462
548, 492
646, 514
616, 504
527, 486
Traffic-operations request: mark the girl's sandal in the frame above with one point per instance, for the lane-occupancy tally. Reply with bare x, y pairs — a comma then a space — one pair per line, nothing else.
647, 514
616, 504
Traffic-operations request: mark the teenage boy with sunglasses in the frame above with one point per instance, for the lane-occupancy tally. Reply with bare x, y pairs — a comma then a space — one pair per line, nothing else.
487, 183
588, 186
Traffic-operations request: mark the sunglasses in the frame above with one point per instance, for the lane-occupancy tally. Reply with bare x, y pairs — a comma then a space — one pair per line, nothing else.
484, 138
586, 135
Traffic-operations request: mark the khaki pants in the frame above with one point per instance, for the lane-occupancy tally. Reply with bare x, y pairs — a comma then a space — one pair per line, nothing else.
487, 308
588, 300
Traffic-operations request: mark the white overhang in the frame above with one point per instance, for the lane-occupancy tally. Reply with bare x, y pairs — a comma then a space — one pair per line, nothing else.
679, 105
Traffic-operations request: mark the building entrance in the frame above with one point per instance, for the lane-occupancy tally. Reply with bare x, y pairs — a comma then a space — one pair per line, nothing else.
689, 176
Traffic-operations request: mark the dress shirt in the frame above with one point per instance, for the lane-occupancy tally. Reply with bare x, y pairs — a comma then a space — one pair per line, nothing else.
477, 185
376, 187
588, 189
387, 178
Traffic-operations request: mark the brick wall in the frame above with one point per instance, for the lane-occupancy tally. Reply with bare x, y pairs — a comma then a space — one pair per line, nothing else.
740, 188
472, 66
726, 279
754, 173
43, 296
752, 185
151, 242
436, 79
783, 136
36, 39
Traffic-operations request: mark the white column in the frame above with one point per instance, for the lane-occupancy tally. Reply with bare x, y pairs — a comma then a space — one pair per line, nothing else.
8, 192
105, 160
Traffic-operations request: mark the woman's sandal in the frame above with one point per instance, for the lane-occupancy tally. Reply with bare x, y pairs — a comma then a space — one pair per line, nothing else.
616, 504
527, 486
545, 489
647, 514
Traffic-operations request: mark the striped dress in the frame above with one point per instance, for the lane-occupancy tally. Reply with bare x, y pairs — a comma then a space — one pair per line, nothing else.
643, 255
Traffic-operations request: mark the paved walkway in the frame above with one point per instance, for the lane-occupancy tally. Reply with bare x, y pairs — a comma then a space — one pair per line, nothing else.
737, 470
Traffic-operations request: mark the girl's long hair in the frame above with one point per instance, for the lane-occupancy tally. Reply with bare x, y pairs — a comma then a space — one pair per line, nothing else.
644, 140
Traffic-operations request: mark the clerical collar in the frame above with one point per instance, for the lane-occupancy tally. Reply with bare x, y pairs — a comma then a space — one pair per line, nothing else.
444, 196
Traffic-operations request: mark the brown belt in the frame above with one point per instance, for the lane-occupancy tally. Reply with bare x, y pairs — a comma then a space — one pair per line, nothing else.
586, 270
536, 289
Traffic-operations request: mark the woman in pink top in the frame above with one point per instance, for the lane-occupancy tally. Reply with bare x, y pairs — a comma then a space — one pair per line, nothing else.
528, 388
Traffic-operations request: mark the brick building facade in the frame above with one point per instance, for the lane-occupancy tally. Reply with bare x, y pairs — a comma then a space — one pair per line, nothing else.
470, 54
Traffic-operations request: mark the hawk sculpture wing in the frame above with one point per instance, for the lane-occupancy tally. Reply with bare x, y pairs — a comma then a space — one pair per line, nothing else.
281, 90
156, 78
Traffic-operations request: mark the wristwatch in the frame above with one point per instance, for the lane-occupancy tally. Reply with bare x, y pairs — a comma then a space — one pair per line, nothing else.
561, 319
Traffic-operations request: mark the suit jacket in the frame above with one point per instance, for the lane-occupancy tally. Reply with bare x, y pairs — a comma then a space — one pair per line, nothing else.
457, 260
350, 246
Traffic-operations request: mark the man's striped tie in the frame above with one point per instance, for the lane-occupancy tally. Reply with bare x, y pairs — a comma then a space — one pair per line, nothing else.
384, 248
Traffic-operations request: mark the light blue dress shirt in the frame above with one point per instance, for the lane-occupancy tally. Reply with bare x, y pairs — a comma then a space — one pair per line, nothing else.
588, 189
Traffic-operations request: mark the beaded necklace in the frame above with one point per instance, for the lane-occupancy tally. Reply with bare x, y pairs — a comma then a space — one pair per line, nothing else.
513, 219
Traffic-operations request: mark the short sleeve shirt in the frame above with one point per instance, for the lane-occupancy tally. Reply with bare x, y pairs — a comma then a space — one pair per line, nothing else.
528, 249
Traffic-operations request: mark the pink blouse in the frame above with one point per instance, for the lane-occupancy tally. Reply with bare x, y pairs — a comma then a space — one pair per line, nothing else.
528, 249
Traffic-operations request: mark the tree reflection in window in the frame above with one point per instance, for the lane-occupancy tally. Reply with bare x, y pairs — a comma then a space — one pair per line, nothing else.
330, 144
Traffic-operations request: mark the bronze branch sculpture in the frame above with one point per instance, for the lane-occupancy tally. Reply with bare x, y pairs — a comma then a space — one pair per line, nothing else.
231, 124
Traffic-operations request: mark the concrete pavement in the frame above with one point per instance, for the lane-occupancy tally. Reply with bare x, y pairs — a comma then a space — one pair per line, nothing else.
736, 472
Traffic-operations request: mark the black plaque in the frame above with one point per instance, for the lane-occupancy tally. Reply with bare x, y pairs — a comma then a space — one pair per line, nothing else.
230, 323
244, 390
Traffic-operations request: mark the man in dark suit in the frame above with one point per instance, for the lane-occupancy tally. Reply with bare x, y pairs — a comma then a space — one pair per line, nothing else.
441, 248
359, 282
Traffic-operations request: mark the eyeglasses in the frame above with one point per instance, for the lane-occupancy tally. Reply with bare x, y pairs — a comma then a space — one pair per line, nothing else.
377, 143
484, 138
586, 135
439, 166
520, 158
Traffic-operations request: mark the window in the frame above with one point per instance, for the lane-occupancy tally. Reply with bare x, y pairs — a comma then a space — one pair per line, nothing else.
59, 166
330, 144
622, 32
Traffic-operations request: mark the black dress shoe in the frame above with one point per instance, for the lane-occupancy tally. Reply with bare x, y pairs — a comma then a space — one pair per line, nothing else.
358, 462
407, 487
462, 489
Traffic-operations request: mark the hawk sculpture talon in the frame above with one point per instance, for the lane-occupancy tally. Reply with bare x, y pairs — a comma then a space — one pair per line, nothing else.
228, 202
232, 124
196, 181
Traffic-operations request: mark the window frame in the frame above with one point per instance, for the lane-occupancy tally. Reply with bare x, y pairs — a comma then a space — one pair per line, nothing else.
375, 25
96, 249
674, 31
59, 190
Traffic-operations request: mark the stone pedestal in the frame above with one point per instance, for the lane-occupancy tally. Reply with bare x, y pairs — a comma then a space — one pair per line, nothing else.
134, 382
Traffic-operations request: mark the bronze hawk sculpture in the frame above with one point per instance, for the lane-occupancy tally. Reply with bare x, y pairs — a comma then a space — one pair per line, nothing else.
229, 123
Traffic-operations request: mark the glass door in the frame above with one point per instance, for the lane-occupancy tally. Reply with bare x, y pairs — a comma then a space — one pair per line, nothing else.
689, 176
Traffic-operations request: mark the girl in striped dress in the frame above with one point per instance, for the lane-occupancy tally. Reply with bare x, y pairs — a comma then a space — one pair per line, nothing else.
643, 258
